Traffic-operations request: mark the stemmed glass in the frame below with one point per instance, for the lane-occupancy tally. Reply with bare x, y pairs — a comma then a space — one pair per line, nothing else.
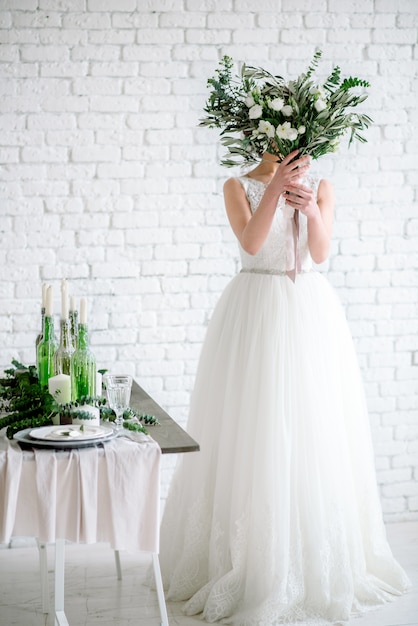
118, 395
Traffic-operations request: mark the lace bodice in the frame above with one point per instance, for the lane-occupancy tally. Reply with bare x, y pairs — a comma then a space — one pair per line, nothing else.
272, 255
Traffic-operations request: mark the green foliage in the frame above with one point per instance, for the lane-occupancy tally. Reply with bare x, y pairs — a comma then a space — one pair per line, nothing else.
74, 410
258, 112
25, 404
131, 413
34, 422
23, 400
136, 427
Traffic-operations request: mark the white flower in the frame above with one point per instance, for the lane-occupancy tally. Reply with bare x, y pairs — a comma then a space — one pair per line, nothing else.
282, 129
249, 101
285, 131
335, 145
255, 112
276, 104
320, 105
256, 134
266, 128
318, 92
287, 110
301, 130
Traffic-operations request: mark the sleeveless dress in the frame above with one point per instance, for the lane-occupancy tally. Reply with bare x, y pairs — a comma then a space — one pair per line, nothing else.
277, 519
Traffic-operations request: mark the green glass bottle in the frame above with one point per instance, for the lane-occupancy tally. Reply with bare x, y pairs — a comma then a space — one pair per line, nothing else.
46, 351
74, 326
40, 335
83, 367
62, 357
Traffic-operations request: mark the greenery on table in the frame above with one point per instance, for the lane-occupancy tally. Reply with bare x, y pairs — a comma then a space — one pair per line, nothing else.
25, 404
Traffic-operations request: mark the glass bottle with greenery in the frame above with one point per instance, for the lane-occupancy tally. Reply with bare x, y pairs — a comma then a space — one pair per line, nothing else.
62, 357
47, 346
41, 333
83, 362
73, 323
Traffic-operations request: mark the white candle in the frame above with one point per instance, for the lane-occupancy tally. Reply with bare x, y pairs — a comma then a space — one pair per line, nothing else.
60, 388
48, 301
44, 288
94, 412
83, 311
64, 299
72, 303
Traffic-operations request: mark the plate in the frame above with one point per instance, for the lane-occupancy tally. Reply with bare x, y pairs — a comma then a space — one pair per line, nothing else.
70, 432
24, 438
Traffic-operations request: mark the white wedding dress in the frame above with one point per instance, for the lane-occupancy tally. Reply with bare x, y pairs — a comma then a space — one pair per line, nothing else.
277, 519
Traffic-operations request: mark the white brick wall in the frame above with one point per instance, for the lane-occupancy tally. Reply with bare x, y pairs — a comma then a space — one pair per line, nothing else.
106, 179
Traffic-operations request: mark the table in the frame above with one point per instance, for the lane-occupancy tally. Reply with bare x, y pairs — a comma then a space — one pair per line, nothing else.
85, 512
169, 435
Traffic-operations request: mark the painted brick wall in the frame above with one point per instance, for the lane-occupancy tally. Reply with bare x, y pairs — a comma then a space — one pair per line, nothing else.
106, 180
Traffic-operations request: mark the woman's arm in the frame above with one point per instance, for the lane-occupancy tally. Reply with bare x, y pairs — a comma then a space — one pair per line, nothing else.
319, 211
251, 229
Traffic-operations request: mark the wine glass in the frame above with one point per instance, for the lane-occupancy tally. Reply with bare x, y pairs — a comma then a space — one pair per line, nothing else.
118, 394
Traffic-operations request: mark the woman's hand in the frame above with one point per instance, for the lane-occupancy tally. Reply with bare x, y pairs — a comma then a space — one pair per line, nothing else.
303, 199
251, 229
289, 171
319, 211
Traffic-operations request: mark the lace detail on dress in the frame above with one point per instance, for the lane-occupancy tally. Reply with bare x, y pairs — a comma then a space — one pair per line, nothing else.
190, 571
221, 595
272, 255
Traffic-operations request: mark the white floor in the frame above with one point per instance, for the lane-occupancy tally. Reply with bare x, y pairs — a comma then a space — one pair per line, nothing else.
94, 595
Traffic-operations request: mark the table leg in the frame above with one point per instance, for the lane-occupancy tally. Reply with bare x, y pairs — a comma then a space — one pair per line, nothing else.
43, 567
60, 617
118, 567
160, 590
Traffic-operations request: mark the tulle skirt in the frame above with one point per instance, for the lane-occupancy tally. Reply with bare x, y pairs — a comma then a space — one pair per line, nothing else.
277, 519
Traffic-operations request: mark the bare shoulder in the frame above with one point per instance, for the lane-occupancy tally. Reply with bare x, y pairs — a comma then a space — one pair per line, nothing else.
232, 185
325, 188
236, 202
234, 193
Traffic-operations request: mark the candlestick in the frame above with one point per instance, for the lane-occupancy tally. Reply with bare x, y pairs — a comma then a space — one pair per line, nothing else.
64, 299
60, 388
72, 303
83, 311
48, 301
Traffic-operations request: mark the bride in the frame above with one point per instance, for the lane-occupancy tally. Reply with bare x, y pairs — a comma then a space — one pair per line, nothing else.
277, 519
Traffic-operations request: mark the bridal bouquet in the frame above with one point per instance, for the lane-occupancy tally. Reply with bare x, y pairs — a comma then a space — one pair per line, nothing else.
258, 112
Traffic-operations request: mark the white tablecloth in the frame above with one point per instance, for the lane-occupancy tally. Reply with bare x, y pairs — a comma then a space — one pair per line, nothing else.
85, 495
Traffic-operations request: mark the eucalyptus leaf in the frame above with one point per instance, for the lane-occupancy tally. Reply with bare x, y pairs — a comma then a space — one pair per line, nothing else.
232, 96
